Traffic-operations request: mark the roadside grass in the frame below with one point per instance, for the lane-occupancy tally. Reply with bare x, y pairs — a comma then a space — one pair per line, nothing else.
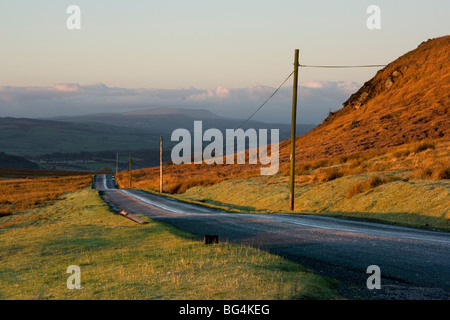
389, 197
120, 259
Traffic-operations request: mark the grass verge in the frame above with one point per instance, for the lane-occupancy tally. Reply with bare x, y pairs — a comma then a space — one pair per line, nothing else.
386, 197
123, 260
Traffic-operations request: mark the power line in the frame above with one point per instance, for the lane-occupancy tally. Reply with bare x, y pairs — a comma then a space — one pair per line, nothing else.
262, 105
336, 67
368, 65
333, 67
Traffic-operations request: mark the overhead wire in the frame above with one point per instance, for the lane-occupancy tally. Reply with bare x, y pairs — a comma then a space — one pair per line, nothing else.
267, 100
339, 67
331, 67
368, 65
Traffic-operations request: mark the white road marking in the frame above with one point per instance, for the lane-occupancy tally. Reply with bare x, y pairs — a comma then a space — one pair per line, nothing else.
148, 201
104, 183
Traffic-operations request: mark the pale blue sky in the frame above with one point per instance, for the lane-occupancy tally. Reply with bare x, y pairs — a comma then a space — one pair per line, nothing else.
205, 43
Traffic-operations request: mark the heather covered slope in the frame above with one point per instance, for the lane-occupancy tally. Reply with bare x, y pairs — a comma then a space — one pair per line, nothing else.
406, 101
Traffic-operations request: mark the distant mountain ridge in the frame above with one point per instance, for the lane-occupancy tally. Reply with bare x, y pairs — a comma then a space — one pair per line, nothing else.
193, 113
29, 137
163, 121
98, 136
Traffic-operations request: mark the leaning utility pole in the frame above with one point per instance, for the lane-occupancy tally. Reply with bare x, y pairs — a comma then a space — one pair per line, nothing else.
293, 135
131, 176
160, 164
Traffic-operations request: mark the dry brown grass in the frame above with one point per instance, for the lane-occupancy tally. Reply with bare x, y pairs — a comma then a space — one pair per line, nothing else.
327, 174
423, 145
372, 182
179, 178
21, 194
436, 171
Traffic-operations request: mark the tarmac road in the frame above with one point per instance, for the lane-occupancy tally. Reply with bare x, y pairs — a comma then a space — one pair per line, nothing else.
414, 263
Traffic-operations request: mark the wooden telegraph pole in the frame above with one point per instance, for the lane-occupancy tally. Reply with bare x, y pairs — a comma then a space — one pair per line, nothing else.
131, 174
160, 164
293, 128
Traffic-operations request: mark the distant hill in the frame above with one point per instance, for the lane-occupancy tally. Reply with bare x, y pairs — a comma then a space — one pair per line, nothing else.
200, 114
29, 137
163, 121
16, 162
89, 142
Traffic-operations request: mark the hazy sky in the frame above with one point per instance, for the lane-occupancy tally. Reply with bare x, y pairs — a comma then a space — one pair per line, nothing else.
201, 46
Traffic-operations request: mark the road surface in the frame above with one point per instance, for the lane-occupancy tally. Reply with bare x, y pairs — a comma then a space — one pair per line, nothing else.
414, 263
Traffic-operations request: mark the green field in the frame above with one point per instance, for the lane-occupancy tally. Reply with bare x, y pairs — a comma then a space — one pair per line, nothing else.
120, 259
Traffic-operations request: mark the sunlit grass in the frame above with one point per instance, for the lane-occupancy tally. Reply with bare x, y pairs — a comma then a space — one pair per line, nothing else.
120, 259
